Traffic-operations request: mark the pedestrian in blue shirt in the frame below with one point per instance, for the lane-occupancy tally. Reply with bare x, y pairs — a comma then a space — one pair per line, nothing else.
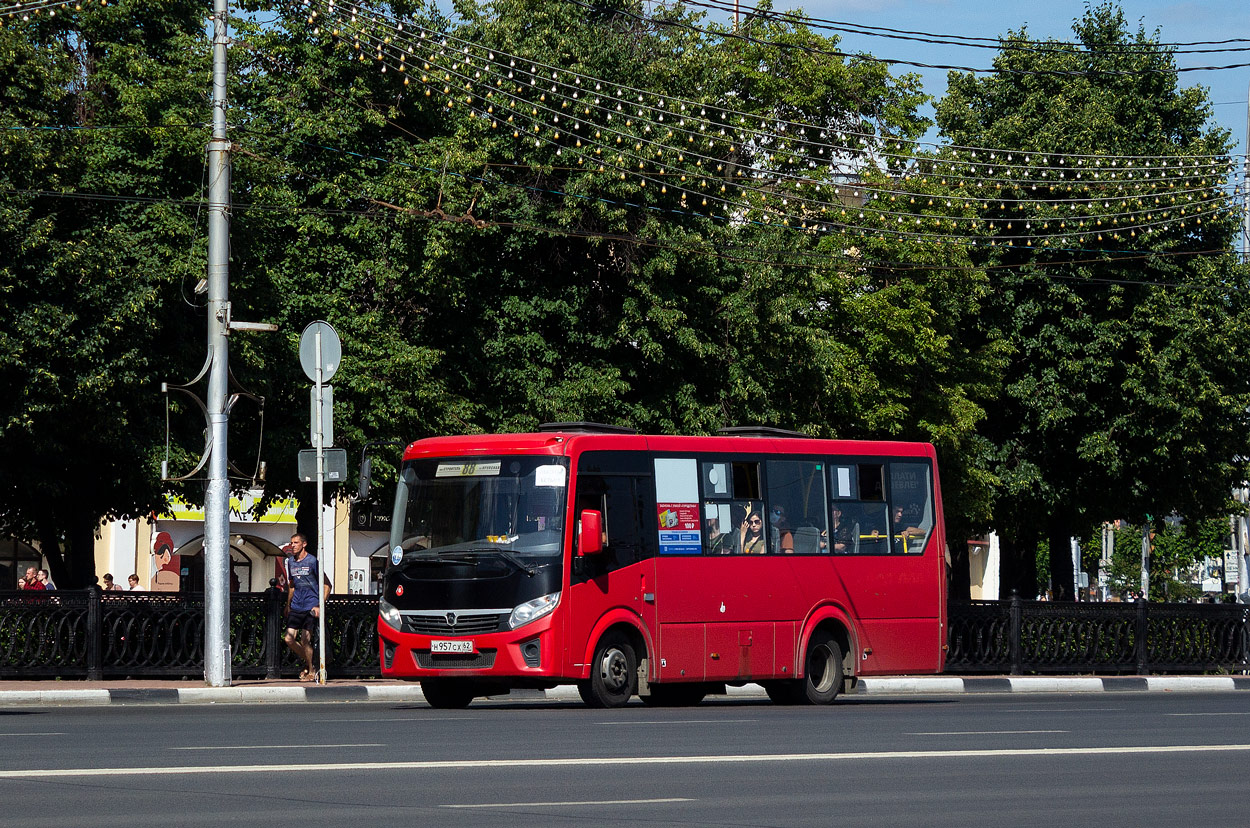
302, 574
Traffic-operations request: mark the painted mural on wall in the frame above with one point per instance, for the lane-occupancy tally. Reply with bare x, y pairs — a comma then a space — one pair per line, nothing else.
166, 566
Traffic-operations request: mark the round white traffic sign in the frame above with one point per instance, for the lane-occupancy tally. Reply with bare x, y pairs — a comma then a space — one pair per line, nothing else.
331, 350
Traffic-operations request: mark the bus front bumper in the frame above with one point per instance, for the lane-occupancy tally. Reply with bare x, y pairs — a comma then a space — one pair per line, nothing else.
528, 652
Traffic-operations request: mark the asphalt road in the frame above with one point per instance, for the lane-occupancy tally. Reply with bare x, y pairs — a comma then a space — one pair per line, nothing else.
1107, 759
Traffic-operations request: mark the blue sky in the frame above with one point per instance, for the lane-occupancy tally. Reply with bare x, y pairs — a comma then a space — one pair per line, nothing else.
1177, 21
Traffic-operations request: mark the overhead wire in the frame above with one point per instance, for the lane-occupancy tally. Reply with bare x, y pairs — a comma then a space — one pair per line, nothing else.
795, 17
857, 143
740, 35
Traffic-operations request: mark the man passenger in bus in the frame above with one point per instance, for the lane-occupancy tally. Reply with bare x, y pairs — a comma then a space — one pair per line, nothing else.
751, 533
908, 536
718, 542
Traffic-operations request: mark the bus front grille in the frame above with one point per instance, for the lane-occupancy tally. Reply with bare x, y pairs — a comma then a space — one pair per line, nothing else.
466, 624
482, 660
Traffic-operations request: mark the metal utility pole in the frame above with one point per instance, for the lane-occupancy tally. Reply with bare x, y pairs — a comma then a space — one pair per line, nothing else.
322, 557
217, 488
1241, 543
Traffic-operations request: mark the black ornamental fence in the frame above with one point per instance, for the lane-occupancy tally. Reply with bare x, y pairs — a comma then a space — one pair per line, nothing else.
95, 635
1018, 637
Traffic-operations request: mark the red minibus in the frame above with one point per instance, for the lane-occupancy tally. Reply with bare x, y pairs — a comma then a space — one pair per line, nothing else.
662, 566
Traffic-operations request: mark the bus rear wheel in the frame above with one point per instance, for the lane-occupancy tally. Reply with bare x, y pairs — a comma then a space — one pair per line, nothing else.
447, 694
613, 673
822, 675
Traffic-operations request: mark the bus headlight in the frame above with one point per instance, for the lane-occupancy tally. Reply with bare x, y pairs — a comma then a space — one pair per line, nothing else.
533, 610
389, 614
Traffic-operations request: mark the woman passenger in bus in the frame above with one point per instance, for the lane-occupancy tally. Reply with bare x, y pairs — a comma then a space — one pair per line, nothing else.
751, 533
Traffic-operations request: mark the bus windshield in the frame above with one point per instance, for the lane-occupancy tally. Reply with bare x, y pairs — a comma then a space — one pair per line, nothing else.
462, 505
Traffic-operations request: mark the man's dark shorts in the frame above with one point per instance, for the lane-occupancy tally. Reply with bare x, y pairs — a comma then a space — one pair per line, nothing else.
297, 620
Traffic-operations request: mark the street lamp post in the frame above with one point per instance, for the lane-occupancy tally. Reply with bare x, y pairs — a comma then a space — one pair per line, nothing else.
217, 488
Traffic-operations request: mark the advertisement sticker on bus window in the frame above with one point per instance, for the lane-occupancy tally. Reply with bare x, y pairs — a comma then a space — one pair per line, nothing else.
844, 482
468, 469
680, 533
549, 476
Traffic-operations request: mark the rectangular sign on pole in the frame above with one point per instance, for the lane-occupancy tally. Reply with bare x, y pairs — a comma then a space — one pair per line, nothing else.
336, 465
327, 415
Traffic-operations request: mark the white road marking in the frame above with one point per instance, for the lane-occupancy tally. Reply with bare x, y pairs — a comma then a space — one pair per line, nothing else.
981, 732
684, 721
1063, 709
46, 733
276, 747
1234, 713
571, 804
508, 764
423, 719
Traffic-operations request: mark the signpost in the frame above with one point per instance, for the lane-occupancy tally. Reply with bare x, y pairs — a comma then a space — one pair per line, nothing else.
320, 352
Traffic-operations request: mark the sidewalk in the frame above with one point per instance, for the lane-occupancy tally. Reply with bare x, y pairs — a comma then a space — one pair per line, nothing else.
258, 691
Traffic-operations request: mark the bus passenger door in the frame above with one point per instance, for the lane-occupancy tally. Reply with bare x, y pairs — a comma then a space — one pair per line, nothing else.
623, 576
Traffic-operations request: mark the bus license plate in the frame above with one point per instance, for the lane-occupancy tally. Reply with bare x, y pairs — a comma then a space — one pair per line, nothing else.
451, 647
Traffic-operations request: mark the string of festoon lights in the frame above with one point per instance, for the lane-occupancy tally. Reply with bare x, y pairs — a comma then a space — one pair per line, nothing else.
852, 257
978, 162
735, 166
791, 138
36, 9
1040, 168
536, 97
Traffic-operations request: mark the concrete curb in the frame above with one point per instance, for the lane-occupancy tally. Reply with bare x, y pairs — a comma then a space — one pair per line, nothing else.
411, 693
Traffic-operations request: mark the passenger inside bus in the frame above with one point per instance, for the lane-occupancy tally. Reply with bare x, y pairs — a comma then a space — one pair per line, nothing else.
751, 532
843, 532
718, 542
781, 536
909, 537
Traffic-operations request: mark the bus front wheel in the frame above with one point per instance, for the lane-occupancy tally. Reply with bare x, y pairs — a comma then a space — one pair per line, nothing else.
613, 673
447, 694
822, 679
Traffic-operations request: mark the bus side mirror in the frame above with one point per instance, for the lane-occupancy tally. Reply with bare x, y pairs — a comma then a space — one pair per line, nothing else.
590, 533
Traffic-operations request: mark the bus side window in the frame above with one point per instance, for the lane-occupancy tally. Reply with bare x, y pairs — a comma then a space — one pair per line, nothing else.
616, 498
911, 507
871, 482
746, 481
797, 522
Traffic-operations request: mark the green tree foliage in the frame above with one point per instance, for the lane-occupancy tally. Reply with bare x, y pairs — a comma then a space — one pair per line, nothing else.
488, 279
94, 106
1175, 548
1123, 394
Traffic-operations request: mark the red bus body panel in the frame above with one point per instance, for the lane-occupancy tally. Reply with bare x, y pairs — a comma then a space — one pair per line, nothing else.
714, 618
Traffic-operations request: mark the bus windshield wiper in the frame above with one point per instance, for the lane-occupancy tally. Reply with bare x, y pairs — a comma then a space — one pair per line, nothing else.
511, 557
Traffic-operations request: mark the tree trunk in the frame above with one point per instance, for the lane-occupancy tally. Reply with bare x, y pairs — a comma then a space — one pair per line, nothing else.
1059, 542
1017, 565
70, 552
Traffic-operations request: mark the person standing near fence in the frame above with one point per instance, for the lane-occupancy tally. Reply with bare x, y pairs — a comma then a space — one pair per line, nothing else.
303, 574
